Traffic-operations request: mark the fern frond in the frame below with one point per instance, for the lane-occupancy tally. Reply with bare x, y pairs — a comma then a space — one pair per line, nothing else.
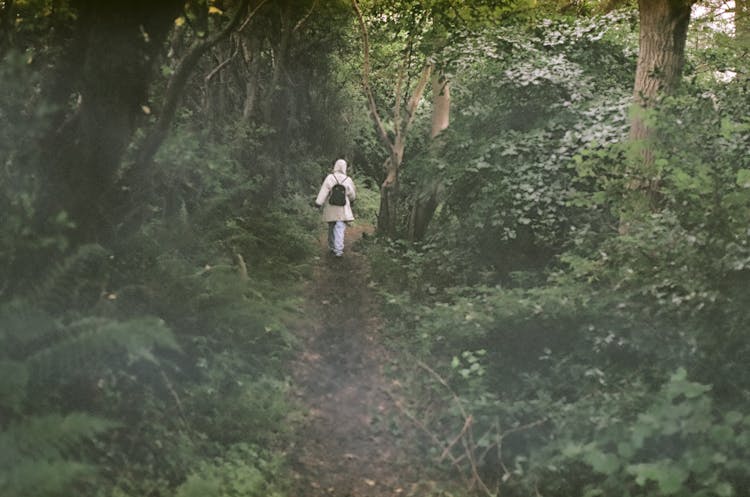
47, 438
23, 327
78, 282
13, 379
42, 478
94, 342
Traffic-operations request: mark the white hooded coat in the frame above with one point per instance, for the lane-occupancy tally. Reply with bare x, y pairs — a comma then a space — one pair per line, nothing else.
333, 213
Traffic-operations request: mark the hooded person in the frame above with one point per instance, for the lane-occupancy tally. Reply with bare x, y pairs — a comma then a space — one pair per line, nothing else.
337, 216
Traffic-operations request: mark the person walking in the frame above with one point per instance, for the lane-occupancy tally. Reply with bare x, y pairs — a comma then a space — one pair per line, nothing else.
336, 196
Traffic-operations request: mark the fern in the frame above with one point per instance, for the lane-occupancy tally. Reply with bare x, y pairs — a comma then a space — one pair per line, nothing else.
78, 282
48, 438
34, 454
92, 343
23, 329
13, 378
39, 454
42, 478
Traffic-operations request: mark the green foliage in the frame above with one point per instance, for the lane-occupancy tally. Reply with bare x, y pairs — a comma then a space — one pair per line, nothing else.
567, 337
45, 365
25, 239
678, 445
366, 206
242, 472
175, 324
506, 163
564, 312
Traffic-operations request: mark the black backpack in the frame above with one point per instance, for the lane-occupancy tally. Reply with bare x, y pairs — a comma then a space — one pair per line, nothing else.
338, 193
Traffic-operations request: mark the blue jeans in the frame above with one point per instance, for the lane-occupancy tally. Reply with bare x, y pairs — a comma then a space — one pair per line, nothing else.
336, 232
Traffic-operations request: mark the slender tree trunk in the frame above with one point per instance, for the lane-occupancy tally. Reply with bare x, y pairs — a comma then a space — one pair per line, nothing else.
271, 102
404, 112
742, 18
7, 29
663, 32
742, 24
251, 55
426, 200
388, 220
389, 192
215, 98
441, 104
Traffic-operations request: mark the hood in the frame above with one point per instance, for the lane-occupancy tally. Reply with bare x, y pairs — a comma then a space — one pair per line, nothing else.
340, 166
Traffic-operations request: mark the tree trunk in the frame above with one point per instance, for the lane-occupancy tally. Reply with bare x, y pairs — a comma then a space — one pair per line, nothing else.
663, 32
426, 200
215, 97
251, 56
387, 215
404, 112
742, 24
423, 211
120, 41
271, 103
7, 28
441, 104
389, 192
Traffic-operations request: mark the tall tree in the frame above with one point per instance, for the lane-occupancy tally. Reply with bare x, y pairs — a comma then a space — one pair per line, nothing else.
406, 101
424, 29
108, 69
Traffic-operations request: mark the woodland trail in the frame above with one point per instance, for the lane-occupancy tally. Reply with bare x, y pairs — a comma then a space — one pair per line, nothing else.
346, 447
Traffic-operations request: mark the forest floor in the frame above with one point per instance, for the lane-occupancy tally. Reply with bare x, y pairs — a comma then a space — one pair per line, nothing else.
352, 442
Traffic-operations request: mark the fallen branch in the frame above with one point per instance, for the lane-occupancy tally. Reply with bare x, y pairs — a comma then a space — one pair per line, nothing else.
447, 449
455, 461
442, 381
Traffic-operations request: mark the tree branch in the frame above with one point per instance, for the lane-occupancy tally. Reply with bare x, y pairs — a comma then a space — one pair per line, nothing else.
442, 381
177, 84
458, 437
380, 127
397, 101
455, 461
411, 109
218, 68
304, 19
251, 15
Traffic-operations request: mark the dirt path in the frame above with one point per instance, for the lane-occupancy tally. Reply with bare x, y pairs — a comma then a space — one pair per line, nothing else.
349, 445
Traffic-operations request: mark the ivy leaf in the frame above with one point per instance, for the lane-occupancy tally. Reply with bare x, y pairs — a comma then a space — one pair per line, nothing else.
743, 178
602, 462
669, 478
724, 489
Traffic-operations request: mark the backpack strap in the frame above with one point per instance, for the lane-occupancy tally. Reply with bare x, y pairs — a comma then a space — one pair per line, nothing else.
337, 180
